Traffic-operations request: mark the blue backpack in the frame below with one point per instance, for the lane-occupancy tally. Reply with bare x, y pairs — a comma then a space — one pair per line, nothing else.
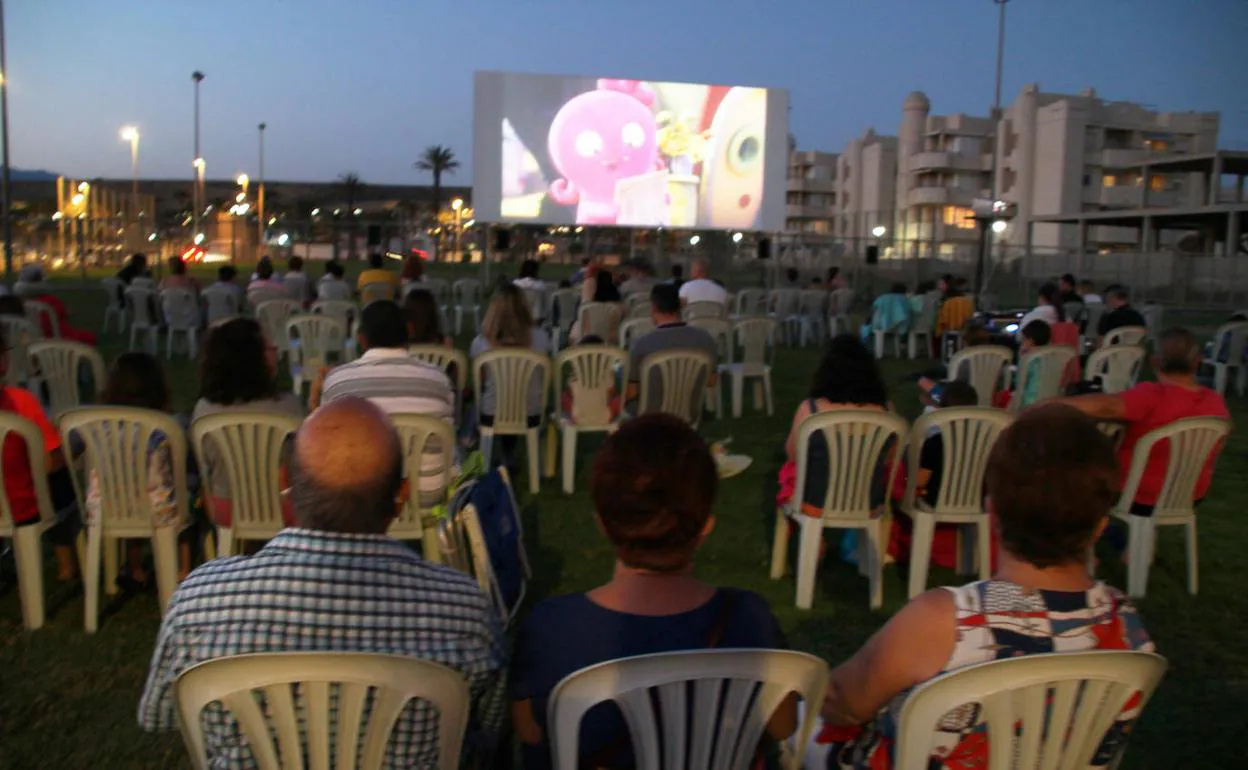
496, 510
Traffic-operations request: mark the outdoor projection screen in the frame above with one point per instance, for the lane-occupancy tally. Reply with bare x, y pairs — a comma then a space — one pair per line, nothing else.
559, 150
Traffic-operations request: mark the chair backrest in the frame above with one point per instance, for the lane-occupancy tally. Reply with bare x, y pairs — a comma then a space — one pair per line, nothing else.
813, 302
246, 449
755, 338
721, 330
595, 371
703, 310
220, 303
143, 282
117, 440
1093, 312
1117, 366
18, 334
1074, 311
438, 287
925, 321
12, 424
258, 295
344, 310
1050, 366
782, 302
982, 366
600, 318
333, 290
371, 292
841, 301
40, 312
633, 329
319, 681
272, 316
445, 359
563, 305
536, 299
140, 302
113, 288
967, 436
709, 706
751, 302
428, 458
1129, 335
1153, 317
318, 337
1192, 441
512, 370
858, 442
467, 292
1231, 338
180, 309
60, 364
683, 375
639, 305
1058, 706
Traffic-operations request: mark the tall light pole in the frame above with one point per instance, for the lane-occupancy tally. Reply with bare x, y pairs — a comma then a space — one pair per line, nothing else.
985, 246
131, 134
458, 206
4, 127
197, 179
260, 191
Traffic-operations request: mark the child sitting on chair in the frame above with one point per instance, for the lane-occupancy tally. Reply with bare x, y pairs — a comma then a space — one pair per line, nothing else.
1036, 334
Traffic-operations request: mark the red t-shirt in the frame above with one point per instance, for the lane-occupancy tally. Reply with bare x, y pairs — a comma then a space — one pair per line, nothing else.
1151, 405
16, 464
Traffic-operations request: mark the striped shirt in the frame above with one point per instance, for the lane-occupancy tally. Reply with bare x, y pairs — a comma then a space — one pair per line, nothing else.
314, 591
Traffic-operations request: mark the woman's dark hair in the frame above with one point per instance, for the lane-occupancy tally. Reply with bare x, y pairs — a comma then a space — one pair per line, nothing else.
12, 305
605, 289
295, 263
177, 266
376, 261
653, 485
264, 269
234, 368
1039, 332
1052, 478
1053, 296
334, 268
136, 379
974, 333
424, 322
226, 273
528, 268
832, 273
898, 288
413, 268
791, 274
849, 374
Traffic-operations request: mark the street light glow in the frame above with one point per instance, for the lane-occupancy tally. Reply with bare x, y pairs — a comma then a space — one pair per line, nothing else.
151, 237
83, 187
357, 212
199, 238
695, 240
243, 180
272, 221
879, 230
283, 239
457, 204
999, 225
243, 208
316, 212
736, 237
77, 199
198, 163
129, 134
240, 197
469, 223
57, 216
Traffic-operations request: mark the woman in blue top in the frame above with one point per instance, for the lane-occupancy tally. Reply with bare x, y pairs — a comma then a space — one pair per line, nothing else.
653, 485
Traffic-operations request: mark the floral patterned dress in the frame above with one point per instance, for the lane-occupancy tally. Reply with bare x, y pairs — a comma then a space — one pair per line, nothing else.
160, 486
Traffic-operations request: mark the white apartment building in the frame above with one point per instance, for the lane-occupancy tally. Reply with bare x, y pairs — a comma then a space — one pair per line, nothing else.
866, 176
811, 202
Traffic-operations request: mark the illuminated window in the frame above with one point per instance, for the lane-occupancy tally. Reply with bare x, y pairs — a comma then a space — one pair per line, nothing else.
1109, 180
1157, 145
960, 217
1157, 183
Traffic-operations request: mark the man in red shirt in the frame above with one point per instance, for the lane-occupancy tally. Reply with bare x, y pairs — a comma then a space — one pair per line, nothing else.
1151, 405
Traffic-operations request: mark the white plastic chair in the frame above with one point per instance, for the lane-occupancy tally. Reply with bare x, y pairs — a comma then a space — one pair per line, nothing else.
750, 303
983, 366
467, 294
714, 724
143, 282
682, 376
258, 295
755, 337
1153, 317
967, 436
721, 331
272, 316
60, 363
18, 334
513, 370
782, 306
428, 455
246, 449
298, 710
371, 292
348, 313
1058, 706
1052, 362
881, 335
703, 310
1116, 366
27, 547
813, 315
595, 369
923, 326
440, 289
633, 329
181, 312
839, 304
1191, 442
638, 305
536, 299
116, 306
1127, 335
858, 442
1236, 336
116, 439
37, 313
563, 306
601, 319
333, 290
313, 340
221, 303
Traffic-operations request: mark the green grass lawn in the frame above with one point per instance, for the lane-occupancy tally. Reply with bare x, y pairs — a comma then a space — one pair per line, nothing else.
68, 700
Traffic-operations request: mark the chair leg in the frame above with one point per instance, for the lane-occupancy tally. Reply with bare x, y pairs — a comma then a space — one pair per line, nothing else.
533, 445
165, 560
1192, 562
808, 560
872, 534
920, 552
738, 394
487, 447
780, 546
879, 345
225, 541
112, 547
569, 459
767, 393
91, 579
983, 548
1139, 551
28, 553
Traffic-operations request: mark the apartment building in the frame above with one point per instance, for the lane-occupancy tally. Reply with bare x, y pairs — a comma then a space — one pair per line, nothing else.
866, 176
812, 193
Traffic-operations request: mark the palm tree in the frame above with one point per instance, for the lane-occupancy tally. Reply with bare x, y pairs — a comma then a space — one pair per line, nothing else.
350, 185
437, 160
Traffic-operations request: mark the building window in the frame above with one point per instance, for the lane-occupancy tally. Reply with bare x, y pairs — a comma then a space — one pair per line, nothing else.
1087, 180
1157, 145
1109, 180
1157, 183
959, 217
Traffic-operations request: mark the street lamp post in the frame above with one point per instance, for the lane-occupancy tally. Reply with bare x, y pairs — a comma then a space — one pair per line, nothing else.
197, 179
997, 145
260, 222
457, 206
4, 127
131, 134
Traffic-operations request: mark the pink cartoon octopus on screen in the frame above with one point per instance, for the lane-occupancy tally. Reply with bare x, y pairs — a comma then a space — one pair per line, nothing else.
599, 138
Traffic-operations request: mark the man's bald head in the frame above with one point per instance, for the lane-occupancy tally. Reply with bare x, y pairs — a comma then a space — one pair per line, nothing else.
1178, 352
700, 268
346, 471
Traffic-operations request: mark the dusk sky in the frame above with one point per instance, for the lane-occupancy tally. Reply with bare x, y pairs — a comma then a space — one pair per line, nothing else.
364, 85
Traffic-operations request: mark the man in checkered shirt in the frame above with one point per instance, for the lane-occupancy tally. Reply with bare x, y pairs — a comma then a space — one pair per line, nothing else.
335, 583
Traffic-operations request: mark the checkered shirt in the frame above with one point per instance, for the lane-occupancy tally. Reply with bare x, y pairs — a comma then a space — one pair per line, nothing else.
314, 591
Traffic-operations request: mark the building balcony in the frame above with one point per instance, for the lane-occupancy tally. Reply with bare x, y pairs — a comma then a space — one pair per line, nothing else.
1132, 197
797, 211
1123, 158
802, 184
939, 196
940, 160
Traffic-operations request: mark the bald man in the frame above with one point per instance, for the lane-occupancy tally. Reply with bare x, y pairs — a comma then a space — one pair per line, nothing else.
336, 583
699, 287
1151, 405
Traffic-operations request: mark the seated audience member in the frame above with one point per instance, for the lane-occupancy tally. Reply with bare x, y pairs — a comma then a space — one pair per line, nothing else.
137, 380
225, 277
678, 276
1051, 482
377, 273
919, 299
424, 321
1036, 334
890, 313
1066, 288
956, 308
413, 270
1152, 405
599, 287
335, 583
640, 278
1088, 294
581, 272
135, 267
848, 377
298, 285
237, 372
699, 287
653, 485
35, 291
836, 279
266, 284
1120, 312
792, 278
528, 276
19, 484
670, 333
331, 285
178, 278
1048, 308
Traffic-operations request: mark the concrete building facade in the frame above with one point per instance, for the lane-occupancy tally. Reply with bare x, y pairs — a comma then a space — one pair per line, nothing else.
811, 202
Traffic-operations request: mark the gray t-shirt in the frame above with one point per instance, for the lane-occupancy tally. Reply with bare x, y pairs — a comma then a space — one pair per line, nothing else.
285, 403
677, 336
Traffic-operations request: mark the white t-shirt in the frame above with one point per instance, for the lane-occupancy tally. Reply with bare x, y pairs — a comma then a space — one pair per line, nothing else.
533, 284
1046, 313
702, 290
1093, 299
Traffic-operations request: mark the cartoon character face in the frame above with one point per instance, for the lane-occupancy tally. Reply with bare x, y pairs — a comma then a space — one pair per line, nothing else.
732, 175
601, 137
